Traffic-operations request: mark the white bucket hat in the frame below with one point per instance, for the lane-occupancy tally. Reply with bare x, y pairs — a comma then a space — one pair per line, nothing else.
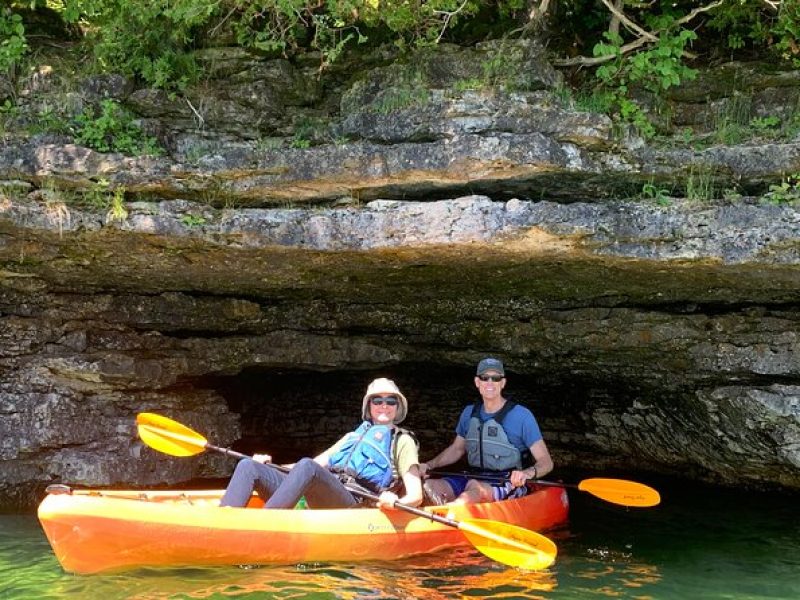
384, 386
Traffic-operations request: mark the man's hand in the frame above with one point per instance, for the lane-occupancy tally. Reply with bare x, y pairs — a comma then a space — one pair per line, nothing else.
518, 478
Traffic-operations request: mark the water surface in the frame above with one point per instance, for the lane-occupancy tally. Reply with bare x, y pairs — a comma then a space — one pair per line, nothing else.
700, 543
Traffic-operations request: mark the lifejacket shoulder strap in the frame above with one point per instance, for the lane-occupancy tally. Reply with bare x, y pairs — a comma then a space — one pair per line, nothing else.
498, 416
408, 432
476, 410
507, 408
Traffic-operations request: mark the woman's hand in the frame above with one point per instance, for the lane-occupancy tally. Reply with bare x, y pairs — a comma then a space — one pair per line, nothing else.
262, 458
387, 500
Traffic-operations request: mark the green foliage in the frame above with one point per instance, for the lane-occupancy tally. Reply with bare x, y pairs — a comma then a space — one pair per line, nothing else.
769, 123
409, 90
13, 43
309, 131
117, 212
787, 31
97, 197
151, 39
747, 24
732, 195
298, 141
654, 70
8, 112
113, 130
154, 39
786, 192
659, 195
700, 184
741, 23
463, 85
193, 220
48, 121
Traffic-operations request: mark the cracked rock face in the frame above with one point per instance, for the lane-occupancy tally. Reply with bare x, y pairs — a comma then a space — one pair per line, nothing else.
644, 337
251, 287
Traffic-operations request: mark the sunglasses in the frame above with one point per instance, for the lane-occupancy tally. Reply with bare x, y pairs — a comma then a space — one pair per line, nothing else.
491, 377
388, 401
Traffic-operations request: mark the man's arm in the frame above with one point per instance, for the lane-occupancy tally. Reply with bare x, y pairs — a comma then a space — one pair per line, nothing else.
542, 465
448, 456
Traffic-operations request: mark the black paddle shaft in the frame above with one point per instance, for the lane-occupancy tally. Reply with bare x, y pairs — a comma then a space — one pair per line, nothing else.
352, 490
499, 478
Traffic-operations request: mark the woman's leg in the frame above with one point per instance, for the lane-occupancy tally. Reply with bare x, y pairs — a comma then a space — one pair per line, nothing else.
321, 488
248, 476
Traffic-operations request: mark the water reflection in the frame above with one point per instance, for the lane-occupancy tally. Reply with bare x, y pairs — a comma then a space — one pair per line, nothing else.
711, 546
28, 569
462, 573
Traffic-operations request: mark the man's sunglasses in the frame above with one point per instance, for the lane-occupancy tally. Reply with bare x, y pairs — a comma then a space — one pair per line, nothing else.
491, 377
388, 401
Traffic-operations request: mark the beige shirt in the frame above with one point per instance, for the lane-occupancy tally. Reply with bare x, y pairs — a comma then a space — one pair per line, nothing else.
406, 454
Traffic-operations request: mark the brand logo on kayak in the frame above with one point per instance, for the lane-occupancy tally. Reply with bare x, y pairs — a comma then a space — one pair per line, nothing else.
373, 527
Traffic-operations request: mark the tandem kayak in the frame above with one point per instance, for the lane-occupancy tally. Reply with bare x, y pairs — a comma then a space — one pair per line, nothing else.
94, 531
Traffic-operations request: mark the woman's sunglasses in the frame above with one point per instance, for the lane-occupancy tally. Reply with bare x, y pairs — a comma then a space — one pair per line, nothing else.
491, 377
388, 401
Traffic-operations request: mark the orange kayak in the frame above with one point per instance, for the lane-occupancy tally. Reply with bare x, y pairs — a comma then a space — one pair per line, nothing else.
93, 531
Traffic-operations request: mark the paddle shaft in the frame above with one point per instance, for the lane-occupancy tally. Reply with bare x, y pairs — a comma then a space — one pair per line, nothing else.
616, 491
352, 490
501, 479
482, 531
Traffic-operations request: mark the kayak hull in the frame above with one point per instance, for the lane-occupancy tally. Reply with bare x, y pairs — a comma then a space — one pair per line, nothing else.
94, 531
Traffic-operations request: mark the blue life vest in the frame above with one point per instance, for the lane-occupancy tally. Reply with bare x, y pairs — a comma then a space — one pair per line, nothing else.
488, 446
366, 456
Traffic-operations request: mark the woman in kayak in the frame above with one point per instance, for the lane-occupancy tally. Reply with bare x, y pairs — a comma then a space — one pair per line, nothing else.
378, 457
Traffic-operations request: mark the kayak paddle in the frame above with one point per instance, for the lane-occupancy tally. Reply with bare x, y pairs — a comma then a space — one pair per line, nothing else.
618, 491
509, 544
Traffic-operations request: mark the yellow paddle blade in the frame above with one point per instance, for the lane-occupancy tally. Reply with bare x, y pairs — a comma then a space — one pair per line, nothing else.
168, 436
509, 544
620, 491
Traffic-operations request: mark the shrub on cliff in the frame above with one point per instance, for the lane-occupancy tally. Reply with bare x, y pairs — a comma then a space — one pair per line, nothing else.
624, 43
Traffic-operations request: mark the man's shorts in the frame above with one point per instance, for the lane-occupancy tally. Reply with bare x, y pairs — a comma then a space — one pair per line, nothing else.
500, 491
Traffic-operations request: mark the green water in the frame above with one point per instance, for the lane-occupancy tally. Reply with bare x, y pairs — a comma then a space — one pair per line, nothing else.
700, 543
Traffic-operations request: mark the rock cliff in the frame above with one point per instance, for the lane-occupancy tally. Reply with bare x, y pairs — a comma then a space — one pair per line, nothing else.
251, 285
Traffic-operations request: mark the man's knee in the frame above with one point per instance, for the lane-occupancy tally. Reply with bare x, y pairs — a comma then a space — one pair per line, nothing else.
437, 492
475, 492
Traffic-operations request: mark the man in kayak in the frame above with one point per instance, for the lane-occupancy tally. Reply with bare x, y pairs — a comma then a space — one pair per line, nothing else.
378, 456
498, 436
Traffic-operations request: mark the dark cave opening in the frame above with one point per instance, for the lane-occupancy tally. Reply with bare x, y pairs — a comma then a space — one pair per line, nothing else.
291, 413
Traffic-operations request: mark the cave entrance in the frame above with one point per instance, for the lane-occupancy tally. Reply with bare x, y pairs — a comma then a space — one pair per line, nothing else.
291, 413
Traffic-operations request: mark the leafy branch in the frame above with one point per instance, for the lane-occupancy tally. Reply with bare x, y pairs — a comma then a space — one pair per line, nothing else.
643, 38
